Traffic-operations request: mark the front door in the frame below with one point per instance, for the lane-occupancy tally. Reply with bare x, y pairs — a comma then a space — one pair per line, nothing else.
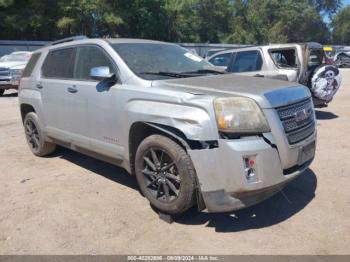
101, 101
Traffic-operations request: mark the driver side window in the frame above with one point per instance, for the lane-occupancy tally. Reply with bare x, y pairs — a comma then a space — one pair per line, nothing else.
89, 57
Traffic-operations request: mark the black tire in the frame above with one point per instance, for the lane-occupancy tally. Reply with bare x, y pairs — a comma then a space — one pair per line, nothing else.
2, 91
35, 137
154, 181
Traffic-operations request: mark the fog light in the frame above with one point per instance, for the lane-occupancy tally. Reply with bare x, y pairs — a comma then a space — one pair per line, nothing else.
250, 169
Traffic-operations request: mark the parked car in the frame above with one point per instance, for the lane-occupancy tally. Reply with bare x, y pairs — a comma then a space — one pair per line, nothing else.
213, 51
329, 54
190, 134
11, 68
342, 58
302, 63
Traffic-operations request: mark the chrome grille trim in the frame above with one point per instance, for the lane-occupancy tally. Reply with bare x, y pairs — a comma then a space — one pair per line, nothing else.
4, 71
296, 129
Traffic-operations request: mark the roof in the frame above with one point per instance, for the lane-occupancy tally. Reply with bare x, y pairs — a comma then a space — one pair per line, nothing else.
133, 41
20, 52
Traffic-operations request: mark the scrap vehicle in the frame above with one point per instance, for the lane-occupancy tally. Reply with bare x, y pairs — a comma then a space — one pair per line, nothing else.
304, 63
191, 134
342, 58
11, 68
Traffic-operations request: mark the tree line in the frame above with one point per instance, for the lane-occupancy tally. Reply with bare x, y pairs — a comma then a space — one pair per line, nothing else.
213, 21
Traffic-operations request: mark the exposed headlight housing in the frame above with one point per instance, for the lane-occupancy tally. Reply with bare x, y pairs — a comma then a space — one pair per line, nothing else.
240, 115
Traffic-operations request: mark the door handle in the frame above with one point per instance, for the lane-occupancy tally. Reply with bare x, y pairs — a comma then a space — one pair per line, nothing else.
39, 85
72, 89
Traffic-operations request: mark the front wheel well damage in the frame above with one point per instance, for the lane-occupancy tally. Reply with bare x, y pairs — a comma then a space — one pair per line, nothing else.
140, 130
25, 109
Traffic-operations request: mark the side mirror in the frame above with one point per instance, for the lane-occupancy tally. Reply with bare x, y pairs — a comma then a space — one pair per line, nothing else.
100, 73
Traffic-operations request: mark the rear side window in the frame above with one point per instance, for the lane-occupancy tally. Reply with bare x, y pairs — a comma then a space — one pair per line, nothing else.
30, 65
284, 58
316, 57
59, 64
89, 57
221, 60
247, 61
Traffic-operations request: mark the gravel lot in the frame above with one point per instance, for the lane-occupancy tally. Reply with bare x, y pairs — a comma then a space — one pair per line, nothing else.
72, 204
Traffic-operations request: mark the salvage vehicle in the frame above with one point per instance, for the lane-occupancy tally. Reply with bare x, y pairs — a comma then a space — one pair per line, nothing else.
342, 58
11, 68
302, 63
191, 134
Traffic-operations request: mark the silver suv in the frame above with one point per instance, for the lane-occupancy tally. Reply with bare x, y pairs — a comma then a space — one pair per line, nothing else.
190, 133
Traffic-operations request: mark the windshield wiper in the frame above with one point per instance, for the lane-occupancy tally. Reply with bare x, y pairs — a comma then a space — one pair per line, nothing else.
206, 71
171, 74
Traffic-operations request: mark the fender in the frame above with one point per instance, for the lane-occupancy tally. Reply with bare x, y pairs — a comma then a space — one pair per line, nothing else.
193, 121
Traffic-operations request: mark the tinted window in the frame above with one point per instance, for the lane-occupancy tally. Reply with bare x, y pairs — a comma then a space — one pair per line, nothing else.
284, 57
246, 62
59, 64
89, 57
221, 60
147, 58
31, 64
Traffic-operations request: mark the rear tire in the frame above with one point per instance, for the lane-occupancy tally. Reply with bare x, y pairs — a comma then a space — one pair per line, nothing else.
165, 174
35, 137
2, 91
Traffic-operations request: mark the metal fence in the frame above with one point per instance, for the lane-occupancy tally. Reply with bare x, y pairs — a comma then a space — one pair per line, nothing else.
8, 46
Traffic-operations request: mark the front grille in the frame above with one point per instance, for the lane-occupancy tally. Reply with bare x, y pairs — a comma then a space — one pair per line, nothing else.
4, 71
298, 120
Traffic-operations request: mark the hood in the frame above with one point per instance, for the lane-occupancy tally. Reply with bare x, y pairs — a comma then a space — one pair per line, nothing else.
266, 92
12, 64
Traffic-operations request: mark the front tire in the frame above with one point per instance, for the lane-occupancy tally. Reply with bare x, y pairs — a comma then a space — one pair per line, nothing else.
35, 137
2, 91
165, 174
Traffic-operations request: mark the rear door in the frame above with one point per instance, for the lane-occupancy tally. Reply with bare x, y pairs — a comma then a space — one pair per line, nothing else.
56, 84
286, 65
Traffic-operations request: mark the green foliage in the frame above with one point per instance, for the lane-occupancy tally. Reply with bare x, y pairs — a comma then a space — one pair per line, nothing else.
341, 27
231, 21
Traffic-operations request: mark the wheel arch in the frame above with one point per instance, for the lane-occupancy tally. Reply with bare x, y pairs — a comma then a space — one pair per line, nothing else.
140, 130
25, 109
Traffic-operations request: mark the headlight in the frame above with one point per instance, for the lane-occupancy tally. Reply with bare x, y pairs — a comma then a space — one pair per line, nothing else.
16, 72
239, 115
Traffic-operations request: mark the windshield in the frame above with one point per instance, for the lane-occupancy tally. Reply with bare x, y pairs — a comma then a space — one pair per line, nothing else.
153, 61
23, 57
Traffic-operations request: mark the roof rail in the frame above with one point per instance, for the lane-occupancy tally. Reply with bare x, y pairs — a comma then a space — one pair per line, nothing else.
68, 39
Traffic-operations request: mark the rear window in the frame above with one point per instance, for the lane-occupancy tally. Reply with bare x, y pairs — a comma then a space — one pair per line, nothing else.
284, 58
31, 64
59, 64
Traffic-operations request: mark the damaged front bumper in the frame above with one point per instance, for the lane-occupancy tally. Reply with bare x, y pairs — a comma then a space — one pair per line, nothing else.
223, 176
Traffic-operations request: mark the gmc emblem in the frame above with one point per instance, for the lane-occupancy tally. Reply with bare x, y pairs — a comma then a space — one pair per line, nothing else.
302, 115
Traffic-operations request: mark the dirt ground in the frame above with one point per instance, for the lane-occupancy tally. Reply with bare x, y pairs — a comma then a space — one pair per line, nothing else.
72, 204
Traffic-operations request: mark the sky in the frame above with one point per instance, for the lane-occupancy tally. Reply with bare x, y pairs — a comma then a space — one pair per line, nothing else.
346, 2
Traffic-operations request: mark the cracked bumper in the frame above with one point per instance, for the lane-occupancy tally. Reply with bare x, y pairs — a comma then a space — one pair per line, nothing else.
221, 173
